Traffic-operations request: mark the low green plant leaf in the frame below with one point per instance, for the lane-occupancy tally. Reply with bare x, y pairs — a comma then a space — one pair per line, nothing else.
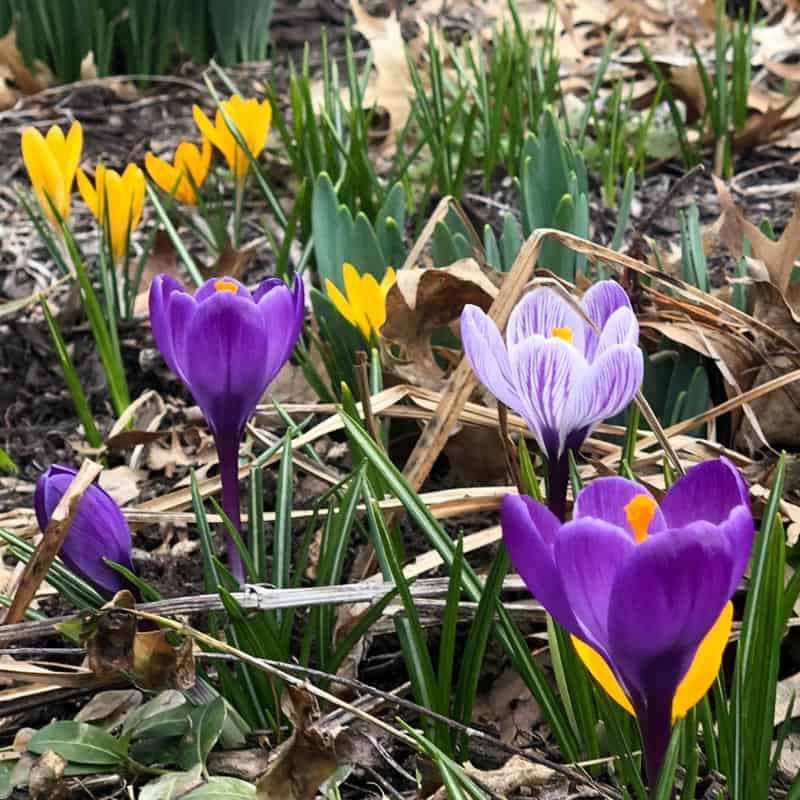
206, 723
218, 788
78, 742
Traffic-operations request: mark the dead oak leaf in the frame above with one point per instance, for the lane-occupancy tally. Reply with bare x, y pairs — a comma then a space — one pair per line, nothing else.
778, 256
305, 760
422, 300
390, 86
517, 773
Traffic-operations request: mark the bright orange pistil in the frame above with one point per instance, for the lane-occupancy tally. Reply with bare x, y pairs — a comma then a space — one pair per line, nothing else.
226, 286
639, 512
564, 333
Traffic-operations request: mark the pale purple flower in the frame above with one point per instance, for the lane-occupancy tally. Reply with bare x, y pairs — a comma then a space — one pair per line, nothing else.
554, 369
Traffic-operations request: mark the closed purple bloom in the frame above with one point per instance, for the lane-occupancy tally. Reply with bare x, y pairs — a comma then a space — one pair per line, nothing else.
561, 374
98, 530
643, 585
226, 345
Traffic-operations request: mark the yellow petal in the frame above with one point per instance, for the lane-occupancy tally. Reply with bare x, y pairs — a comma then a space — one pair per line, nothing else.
134, 179
354, 289
88, 193
602, 673
705, 665
340, 302
205, 126
164, 175
374, 303
45, 173
205, 156
226, 144
387, 281
259, 118
191, 162
697, 681
72, 155
118, 200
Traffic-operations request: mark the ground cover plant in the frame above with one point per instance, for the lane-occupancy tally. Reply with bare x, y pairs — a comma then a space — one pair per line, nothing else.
409, 411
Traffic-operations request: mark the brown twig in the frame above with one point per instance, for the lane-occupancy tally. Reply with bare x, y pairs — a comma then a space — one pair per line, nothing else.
508, 446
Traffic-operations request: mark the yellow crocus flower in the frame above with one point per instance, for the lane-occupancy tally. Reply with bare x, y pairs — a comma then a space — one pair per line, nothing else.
189, 162
51, 162
252, 120
125, 196
364, 301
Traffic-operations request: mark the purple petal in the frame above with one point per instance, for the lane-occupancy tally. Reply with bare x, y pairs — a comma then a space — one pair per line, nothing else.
739, 531
546, 373
588, 555
98, 530
266, 286
606, 498
600, 302
715, 492
211, 288
161, 290
529, 531
606, 387
538, 313
488, 356
278, 308
708, 491
226, 360
621, 328
181, 307
667, 595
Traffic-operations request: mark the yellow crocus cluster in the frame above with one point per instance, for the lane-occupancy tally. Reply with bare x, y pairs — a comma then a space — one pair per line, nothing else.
124, 197
185, 175
51, 162
363, 303
250, 118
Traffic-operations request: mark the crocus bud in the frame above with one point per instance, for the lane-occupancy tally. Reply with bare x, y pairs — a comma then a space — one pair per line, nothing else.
98, 530
226, 345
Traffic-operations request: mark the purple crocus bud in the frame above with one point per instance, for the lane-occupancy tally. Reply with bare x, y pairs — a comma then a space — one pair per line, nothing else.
560, 373
226, 345
98, 530
644, 589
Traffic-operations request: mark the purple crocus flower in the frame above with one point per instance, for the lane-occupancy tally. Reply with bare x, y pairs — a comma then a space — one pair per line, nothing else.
643, 588
226, 345
560, 373
98, 530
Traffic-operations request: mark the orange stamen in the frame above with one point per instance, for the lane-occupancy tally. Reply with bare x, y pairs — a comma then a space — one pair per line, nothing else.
564, 333
639, 512
226, 286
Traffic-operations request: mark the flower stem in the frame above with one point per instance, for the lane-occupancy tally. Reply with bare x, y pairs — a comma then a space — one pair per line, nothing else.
228, 452
558, 480
655, 723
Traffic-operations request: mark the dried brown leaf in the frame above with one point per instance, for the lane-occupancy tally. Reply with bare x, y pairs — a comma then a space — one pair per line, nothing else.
46, 780
422, 300
517, 773
390, 86
305, 760
778, 256
110, 708
162, 258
